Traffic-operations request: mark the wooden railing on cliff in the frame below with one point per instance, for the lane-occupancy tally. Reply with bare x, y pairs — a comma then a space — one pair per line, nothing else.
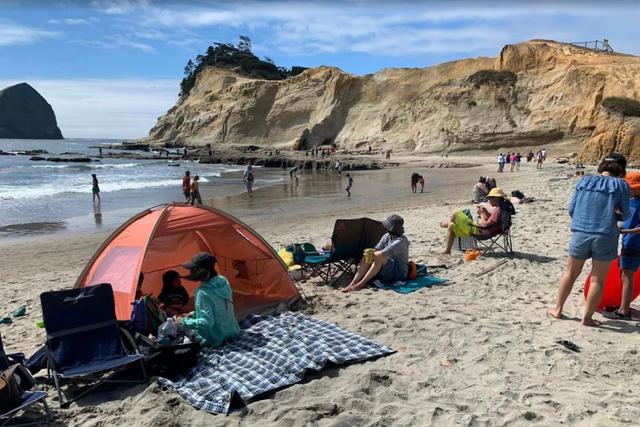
603, 45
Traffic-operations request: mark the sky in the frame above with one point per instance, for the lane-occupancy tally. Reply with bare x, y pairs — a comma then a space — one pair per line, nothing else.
110, 68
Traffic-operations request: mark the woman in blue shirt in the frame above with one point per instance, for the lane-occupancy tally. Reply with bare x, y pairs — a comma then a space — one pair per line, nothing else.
597, 204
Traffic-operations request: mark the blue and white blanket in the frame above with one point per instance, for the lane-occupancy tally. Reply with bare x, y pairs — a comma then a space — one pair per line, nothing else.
271, 352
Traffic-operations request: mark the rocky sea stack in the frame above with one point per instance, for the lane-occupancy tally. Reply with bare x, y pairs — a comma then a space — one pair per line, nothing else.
25, 114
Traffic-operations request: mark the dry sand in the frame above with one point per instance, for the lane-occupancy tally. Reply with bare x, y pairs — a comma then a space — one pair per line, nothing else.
479, 351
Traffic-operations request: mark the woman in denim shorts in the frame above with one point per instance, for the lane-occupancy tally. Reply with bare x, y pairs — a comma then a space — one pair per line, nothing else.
597, 204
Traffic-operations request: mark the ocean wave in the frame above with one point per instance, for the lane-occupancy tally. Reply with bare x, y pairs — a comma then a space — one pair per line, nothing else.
115, 165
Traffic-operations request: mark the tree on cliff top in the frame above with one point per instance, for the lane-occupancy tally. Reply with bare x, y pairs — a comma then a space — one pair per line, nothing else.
240, 58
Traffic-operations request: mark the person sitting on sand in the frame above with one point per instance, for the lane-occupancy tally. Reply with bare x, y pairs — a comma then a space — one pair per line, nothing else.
598, 202
173, 295
195, 191
390, 259
213, 320
480, 190
461, 224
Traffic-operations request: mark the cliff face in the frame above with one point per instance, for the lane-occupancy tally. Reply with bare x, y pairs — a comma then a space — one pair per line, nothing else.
533, 93
25, 114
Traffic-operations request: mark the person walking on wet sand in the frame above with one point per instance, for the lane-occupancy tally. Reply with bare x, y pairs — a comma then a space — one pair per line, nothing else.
349, 185
186, 185
95, 188
247, 179
195, 191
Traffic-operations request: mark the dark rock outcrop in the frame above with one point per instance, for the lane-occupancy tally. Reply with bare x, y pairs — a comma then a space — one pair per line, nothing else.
25, 114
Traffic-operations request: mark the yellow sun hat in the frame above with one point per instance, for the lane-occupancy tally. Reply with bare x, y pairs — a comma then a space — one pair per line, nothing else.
496, 192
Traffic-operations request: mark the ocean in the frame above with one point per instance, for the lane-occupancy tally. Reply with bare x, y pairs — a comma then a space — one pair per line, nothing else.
42, 196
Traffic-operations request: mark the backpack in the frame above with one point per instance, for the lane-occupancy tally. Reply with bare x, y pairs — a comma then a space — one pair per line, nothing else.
146, 316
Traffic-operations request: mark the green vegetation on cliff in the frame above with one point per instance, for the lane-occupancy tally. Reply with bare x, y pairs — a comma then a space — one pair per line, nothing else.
240, 58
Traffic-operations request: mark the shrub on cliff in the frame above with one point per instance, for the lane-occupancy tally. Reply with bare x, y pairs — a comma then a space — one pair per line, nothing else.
624, 106
239, 58
501, 78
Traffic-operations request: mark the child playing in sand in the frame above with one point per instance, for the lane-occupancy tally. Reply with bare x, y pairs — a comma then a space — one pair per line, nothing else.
596, 203
630, 254
349, 184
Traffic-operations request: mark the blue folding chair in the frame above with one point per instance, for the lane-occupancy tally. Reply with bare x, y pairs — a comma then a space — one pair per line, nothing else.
84, 339
28, 398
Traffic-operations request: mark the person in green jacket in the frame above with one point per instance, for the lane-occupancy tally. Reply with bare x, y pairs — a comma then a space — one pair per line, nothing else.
213, 320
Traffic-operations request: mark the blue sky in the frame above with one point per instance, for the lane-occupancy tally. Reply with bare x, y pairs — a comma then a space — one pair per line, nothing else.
111, 67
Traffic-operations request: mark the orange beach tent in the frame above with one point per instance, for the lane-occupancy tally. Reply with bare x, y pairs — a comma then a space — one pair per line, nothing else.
164, 237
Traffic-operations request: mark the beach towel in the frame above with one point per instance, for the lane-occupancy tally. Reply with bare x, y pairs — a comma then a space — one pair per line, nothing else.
463, 225
271, 352
406, 287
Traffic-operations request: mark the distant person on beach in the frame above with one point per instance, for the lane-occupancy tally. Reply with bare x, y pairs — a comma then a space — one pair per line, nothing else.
544, 154
247, 178
529, 156
598, 202
95, 188
186, 185
349, 184
388, 157
480, 190
539, 160
512, 161
501, 162
414, 182
518, 161
388, 261
100, 151
630, 253
369, 151
421, 183
195, 191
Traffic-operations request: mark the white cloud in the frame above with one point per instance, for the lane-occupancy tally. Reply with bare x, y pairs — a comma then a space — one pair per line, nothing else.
115, 42
12, 34
106, 108
71, 21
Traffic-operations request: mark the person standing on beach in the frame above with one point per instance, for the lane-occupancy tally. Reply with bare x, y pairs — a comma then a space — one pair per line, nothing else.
349, 185
247, 179
421, 182
95, 188
539, 160
186, 185
414, 182
195, 191
598, 202
518, 161
630, 253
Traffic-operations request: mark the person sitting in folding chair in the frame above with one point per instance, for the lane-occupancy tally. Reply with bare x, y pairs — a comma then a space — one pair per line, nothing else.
388, 261
490, 223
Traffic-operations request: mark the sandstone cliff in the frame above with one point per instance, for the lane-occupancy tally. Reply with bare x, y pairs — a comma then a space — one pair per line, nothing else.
25, 114
533, 93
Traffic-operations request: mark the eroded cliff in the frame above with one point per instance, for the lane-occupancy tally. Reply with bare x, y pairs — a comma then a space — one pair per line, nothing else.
533, 93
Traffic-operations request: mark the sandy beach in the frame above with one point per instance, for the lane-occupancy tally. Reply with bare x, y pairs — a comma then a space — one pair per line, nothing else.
479, 351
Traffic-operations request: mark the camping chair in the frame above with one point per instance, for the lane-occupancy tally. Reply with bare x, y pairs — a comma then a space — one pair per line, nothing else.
500, 240
349, 239
28, 398
84, 339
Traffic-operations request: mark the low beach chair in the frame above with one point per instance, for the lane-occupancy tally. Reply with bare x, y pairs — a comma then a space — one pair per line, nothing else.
485, 244
28, 398
84, 341
349, 239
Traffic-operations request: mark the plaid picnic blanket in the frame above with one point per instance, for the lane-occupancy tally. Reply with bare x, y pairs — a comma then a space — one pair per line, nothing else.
271, 352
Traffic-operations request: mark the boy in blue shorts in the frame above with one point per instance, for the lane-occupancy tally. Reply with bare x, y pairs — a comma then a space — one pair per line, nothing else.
630, 254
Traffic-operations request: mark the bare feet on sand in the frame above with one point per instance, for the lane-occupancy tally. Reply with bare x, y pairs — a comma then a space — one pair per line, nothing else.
589, 322
555, 313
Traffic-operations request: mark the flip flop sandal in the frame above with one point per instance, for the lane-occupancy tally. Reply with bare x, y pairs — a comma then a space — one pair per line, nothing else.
569, 345
620, 316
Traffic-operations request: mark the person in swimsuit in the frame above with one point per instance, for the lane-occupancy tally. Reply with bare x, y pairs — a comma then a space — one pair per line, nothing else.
95, 189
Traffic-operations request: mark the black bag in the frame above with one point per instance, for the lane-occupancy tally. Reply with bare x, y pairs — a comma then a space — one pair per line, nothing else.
168, 360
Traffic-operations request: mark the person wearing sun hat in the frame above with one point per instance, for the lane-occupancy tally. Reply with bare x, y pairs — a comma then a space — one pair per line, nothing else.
213, 320
388, 261
461, 224
630, 253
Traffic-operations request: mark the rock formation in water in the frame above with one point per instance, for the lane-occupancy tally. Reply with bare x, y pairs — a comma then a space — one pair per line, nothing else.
25, 114
533, 93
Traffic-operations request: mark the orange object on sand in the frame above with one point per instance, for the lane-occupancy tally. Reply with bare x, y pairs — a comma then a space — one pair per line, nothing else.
471, 254
164, 237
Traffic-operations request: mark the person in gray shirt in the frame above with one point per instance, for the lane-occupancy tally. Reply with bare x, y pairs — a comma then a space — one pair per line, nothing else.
389, 261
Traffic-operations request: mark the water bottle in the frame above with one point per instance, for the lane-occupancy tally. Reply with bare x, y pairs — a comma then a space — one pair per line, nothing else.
168, 331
